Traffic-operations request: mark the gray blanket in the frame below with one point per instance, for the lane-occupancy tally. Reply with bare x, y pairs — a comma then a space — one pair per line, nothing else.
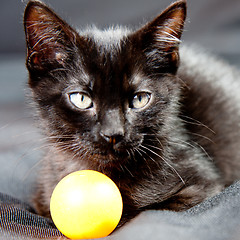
218, 218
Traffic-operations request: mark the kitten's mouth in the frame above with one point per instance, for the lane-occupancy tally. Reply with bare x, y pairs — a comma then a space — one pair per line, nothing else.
111, 156
116, 155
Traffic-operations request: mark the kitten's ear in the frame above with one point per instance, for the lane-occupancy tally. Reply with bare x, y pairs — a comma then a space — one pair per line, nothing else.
161, 37
48, 37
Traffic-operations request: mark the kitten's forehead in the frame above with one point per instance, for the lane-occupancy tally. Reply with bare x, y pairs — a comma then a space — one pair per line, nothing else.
107, 39
104, 56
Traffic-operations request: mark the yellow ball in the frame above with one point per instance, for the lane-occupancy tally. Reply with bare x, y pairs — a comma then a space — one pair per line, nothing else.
86, 204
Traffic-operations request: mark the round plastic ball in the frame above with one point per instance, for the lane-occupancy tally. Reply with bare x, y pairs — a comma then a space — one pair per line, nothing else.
86, 204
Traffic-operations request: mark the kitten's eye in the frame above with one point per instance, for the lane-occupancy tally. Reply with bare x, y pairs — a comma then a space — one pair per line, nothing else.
140, 100
81, 100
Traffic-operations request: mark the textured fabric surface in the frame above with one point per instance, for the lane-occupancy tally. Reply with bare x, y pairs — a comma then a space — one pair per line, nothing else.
18, 221
218, 218
214, 24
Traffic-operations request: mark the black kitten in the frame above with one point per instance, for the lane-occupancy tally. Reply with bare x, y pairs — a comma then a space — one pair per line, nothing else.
163, 125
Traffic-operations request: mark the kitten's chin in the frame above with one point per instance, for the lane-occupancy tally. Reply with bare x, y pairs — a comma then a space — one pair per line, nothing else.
111, 158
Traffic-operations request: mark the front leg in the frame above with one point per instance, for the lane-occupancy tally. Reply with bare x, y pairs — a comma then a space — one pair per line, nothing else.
172, 194
189, 197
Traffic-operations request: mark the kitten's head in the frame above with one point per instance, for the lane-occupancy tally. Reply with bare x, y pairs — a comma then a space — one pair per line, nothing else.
104, 95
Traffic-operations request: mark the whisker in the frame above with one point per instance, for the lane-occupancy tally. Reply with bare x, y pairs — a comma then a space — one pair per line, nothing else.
196, 122
148, 149
184, 143
157, 148
139, 152
202, 136
27, 174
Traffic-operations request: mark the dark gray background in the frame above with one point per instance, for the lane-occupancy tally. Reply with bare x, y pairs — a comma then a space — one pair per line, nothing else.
213, 24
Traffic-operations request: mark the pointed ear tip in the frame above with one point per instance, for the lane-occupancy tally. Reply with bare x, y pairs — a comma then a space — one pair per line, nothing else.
31, 6
35, 10
35, 3
182, 4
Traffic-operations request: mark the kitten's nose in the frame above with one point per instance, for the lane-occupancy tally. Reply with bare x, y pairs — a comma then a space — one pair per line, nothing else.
112, 139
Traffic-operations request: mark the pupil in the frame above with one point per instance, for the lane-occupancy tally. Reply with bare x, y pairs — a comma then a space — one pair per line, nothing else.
82, 98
